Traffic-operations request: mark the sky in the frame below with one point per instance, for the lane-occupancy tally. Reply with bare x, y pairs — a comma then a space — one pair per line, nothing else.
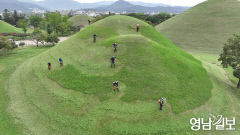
169, 2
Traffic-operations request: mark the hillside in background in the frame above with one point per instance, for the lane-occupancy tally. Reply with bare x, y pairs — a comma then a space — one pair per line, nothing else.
205, 27
17, 5
80, 20
124, 6
79, 98
7, 28
102, 6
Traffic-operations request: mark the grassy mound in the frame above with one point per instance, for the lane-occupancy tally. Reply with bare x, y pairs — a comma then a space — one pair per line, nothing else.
80, 20
6, 28
205, 27
147, 63
78, 98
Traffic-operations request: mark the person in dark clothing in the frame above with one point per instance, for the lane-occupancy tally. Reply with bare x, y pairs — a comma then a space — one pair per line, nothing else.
115, 47
115, 86
49, 66
113, 61
94, 38
89, 22
61, 61
138, 27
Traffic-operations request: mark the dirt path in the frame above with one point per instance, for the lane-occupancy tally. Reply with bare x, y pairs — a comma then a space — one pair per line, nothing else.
31, 43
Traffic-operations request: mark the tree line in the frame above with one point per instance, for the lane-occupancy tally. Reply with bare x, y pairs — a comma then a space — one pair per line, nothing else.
44, 27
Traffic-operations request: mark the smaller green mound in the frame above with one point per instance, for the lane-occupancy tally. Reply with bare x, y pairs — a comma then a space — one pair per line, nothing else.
149, 66
80, 20
7, 28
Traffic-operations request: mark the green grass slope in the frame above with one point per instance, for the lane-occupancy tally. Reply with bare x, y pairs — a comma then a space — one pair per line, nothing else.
6, 28
80, 20
205, 27
78, 98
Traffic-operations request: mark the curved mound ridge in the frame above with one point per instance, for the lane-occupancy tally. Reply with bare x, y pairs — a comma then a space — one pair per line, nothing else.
82, 101
205, 27
6, 28
80, 20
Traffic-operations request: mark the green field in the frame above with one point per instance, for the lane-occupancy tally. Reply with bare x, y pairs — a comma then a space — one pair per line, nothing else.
205, 27
6, 28
80, 20
78, 99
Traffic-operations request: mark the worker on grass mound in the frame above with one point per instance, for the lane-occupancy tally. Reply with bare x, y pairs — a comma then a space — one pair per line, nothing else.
115, 86
113, 61
49, 66
161, 102
138, 27
60, 61
94, 38
115, 47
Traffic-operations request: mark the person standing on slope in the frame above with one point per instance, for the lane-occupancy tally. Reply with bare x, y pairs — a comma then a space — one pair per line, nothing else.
113, 61
61, 61
138, 27
89, 22
115, 47
115, 86
161, 102
94, 38
49, 66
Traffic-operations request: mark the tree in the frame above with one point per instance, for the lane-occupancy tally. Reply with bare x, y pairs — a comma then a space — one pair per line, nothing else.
15, 17
52, 38
35, 20
57, 23
23, 23
38, 36
4, 43
7, 16
49, 29
231, 56
0, 17
54, 19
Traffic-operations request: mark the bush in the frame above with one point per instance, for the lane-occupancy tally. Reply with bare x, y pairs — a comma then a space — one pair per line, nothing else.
5, 43
21, 44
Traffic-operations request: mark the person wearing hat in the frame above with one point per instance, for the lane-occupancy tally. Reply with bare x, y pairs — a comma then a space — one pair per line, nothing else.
161, 102
115, 86
49, 66
94, 38
138, 27
61, 61
115, 47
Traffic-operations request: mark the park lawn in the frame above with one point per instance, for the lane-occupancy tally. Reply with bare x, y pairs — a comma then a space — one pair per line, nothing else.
78, 98
8, 64
56, 102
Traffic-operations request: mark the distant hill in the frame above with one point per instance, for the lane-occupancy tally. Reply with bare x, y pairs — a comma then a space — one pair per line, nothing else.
69, 4
80, 20
17, 5
124, 6
205, 27
6, 28
119, 6
148, 4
